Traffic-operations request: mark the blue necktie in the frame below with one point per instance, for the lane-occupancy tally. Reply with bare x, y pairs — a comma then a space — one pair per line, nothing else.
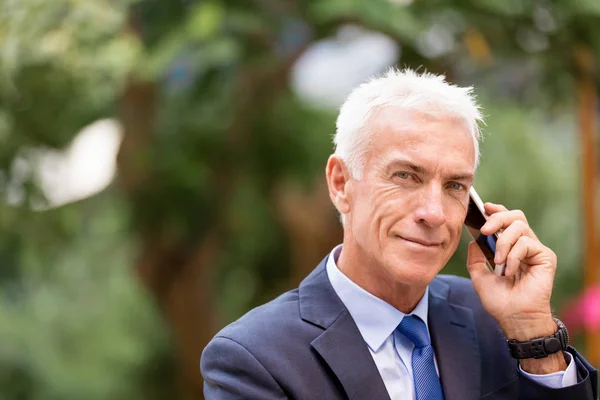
427, 383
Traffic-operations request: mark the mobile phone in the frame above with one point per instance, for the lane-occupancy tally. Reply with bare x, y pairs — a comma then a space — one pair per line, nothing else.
474, 220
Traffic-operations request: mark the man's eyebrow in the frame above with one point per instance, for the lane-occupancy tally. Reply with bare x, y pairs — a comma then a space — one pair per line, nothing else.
407, 164
466, 176
461, 177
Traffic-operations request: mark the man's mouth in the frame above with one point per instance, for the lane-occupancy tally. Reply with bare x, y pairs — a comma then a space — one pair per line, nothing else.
421, 242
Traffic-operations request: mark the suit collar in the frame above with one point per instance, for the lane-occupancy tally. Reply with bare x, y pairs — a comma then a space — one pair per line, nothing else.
454, 339
451, 326
319, 304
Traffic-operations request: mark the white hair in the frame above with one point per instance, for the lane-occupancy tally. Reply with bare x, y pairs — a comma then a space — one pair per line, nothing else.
408, 90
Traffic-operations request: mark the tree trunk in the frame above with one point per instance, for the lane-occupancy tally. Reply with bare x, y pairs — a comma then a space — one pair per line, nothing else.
311, 222
588, 102
178, 278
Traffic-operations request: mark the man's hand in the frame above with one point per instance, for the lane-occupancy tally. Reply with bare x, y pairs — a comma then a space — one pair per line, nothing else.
520, 300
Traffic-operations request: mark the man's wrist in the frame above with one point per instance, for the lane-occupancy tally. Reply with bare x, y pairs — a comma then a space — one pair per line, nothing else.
553, 363
526, 329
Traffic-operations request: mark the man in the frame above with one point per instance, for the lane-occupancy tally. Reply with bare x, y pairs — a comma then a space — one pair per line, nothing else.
374, 320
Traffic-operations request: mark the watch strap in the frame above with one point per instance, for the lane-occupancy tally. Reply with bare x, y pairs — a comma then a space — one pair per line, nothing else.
540, 347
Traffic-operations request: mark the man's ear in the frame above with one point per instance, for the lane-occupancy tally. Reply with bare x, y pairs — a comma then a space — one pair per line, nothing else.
338, 178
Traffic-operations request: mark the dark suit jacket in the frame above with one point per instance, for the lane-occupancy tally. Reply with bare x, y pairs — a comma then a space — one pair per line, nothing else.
305, 345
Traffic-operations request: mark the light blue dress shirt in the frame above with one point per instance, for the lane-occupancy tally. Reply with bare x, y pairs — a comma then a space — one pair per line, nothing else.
392, 351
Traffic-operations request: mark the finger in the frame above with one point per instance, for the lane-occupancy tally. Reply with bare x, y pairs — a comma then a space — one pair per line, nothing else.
502, 220
493, 208
508, 239
524, 249
476, 263
518, 274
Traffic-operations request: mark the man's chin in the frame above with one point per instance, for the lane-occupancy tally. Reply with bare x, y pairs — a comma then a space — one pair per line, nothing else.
415, 272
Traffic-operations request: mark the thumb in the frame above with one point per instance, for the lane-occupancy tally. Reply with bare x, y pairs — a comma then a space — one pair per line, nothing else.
476, 264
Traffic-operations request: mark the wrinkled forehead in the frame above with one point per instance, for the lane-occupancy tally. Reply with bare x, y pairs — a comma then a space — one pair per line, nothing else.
436, 137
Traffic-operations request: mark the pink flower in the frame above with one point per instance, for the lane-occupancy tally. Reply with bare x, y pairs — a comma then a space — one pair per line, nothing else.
584, 311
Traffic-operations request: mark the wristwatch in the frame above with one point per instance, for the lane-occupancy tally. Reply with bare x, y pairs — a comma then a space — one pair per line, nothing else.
541, 347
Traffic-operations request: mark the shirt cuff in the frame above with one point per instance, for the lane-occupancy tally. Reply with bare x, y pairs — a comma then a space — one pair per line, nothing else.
556, 380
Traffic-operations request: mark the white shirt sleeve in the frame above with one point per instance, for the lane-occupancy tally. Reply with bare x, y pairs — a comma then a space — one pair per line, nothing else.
556, 380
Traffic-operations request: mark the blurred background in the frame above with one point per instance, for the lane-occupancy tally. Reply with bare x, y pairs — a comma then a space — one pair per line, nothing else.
162, 165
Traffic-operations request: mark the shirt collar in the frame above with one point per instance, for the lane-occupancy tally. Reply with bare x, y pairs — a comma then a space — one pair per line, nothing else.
376, 319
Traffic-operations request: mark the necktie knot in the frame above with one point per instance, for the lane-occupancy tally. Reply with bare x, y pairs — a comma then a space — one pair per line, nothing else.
415, 330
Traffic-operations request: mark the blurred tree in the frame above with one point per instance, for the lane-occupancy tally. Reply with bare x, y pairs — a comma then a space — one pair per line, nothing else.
74, 324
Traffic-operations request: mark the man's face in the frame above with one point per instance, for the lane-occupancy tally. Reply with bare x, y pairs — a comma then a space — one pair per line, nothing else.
408, 208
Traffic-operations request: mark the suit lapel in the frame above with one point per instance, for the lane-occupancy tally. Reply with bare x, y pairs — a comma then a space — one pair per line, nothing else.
344, 350
454, 338
340, 345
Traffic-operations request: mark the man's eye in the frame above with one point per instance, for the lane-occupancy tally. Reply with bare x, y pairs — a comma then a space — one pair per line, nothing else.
403, 175
456, 186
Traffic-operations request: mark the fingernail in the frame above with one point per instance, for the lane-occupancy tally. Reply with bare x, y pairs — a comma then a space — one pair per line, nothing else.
497, 258
499, 270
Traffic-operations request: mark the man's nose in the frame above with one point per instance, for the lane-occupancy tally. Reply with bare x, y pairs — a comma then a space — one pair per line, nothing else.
431, 207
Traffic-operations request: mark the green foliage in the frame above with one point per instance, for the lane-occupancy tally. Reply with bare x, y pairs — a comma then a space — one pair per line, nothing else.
62, 64
74, 324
